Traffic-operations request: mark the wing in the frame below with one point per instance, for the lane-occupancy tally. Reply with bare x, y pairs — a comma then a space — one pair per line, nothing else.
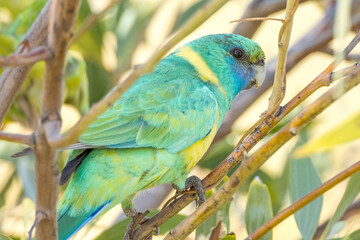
171, 115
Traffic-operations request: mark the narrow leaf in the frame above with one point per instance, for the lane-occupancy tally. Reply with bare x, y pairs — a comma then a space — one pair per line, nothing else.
303, 179
258, 207
352, 190
346, 131
3, 237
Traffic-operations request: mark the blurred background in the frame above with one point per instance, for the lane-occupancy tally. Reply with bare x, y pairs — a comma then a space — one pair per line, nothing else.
127, 33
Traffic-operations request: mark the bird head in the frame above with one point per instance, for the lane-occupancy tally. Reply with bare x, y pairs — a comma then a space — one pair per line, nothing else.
227, 62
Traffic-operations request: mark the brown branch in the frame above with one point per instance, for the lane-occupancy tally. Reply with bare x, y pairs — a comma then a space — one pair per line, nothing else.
287, 212
62, 18
37, 54
283, 45
12, 78
17, 138
251, 164
100, 107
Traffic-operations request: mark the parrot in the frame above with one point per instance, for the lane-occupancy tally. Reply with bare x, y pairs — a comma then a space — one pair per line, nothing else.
158, 129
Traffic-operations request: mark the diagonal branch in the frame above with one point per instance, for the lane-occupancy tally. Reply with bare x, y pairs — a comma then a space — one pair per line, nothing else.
305, 46
251, 164
237, 155
302, 202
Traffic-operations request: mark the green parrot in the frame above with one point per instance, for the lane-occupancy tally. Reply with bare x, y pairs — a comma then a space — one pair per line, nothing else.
159, 129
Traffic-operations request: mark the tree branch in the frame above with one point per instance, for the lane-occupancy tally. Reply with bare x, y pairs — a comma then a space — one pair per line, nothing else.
62, 18
237, 155
100, 107
283, 45
251, 164
12, 78
29, 58
302, 202
17, 138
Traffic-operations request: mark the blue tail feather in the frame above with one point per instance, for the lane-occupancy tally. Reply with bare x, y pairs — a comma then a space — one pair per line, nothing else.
68, 225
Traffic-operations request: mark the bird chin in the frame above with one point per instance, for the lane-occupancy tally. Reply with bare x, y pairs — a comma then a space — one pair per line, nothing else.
260, 74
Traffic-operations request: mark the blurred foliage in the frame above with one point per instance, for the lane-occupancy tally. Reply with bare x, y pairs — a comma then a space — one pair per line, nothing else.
96, 61
258, 207
347, 131
303, 179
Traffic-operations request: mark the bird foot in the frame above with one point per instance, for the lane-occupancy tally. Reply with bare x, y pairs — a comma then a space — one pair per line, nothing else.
190, 182
138, 219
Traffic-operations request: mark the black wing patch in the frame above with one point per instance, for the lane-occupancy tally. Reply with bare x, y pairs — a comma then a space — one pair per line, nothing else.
72, 165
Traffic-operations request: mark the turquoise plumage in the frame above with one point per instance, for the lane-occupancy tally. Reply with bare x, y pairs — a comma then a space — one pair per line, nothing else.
159, 129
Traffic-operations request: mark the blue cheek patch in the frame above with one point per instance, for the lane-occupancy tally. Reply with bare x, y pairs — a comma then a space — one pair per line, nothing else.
241, 74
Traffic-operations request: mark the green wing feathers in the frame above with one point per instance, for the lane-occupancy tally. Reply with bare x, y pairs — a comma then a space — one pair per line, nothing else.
172, 115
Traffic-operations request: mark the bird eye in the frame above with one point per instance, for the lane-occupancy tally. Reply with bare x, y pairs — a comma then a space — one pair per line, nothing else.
238, 53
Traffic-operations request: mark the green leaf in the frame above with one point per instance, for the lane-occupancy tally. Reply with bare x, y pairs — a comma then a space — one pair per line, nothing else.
348, 130
352, 190
258, 208
303, 179
117, 231
4, 237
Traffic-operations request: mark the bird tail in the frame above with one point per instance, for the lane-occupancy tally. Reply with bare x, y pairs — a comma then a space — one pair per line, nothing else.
69, 225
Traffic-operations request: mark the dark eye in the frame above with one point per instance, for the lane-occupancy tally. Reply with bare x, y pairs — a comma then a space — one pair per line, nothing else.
237, 52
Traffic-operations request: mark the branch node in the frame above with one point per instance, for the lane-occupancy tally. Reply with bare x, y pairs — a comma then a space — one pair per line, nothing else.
293, 131
40, 215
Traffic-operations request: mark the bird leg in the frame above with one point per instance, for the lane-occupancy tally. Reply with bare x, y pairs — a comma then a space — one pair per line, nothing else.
138, 218
190, 182
195, 182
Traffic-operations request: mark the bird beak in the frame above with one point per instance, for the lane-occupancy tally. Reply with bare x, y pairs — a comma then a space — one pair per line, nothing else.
260, 74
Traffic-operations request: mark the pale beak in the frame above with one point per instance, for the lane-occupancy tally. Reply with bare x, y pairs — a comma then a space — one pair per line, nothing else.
260, 73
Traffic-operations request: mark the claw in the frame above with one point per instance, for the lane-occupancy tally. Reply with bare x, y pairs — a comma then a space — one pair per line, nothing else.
138, 219
195, 182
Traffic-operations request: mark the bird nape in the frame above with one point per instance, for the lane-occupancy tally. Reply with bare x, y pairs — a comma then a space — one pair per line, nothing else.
159, 129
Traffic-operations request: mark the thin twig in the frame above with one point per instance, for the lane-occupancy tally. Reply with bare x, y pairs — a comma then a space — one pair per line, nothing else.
37, 54
287, 212
17, 138
279, 87
251, 164
283, 44
320, 35
100, 107
92, 19
258, 19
